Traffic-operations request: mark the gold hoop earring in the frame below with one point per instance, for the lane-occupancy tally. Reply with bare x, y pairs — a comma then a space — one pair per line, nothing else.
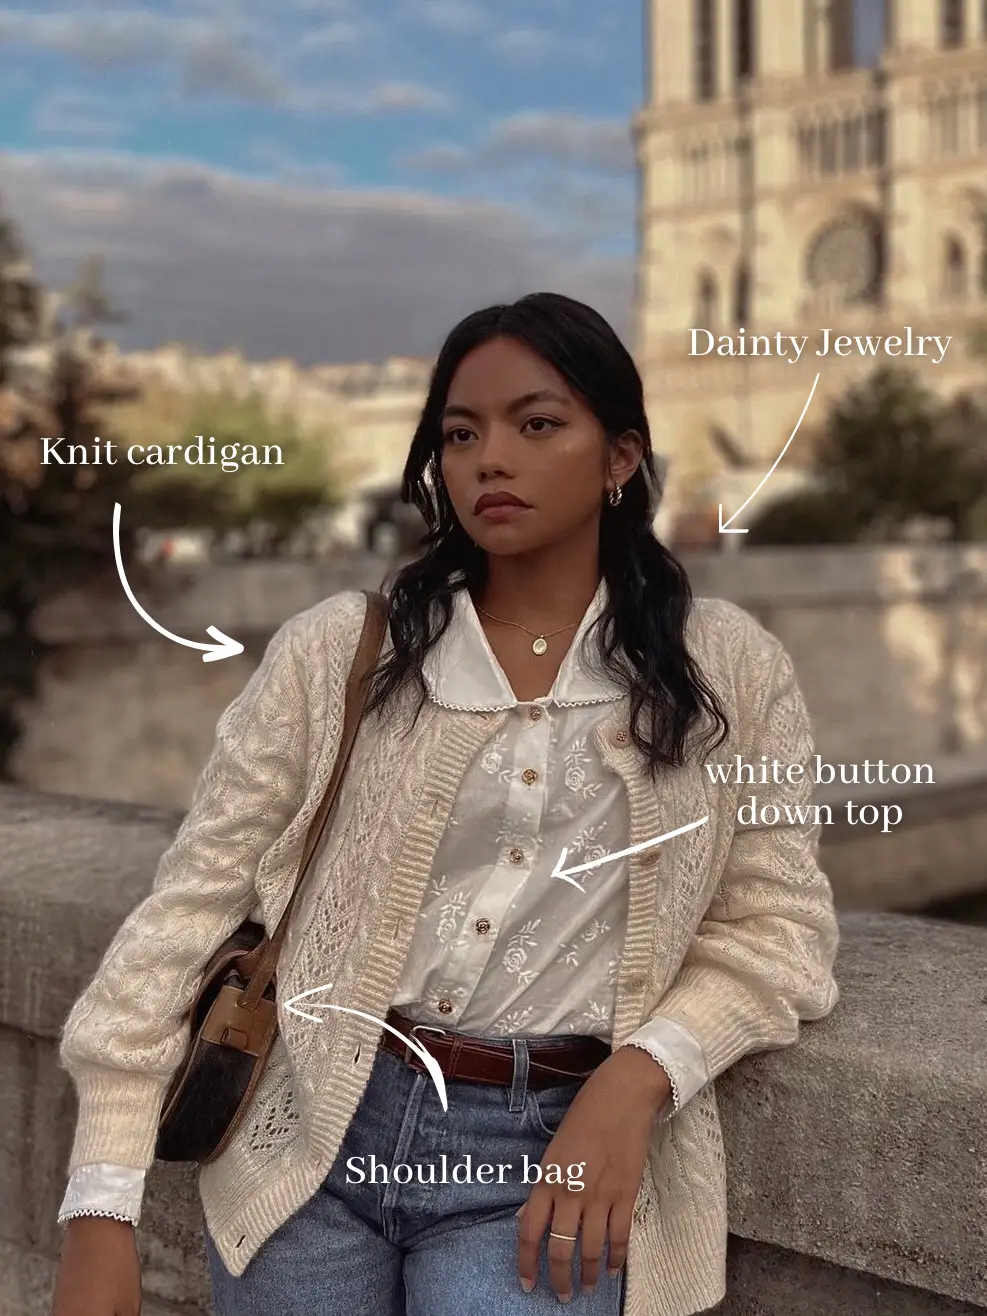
616, 493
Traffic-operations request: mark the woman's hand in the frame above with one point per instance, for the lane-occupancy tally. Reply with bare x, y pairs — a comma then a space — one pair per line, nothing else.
99, 1273
606, 1130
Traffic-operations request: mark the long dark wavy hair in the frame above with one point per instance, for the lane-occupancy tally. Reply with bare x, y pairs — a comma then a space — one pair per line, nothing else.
641, 632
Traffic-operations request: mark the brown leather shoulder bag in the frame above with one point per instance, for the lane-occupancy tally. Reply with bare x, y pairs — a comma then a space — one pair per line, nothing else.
234, 1017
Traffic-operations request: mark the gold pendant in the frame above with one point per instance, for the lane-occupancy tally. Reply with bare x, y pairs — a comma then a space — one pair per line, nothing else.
539, 646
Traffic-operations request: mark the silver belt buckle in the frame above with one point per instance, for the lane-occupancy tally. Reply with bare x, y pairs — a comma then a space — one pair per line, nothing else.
408, 1053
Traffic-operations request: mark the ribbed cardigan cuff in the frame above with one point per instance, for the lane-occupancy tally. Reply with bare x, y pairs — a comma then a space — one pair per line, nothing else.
118, 1117
727, 1021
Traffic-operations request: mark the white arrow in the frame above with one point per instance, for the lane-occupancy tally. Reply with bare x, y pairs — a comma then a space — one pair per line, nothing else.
559, 871
226, 648
429, 1061
724, 525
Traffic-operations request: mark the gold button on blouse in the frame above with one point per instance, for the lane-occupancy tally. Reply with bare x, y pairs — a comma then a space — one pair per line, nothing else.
534, 713
620, 738
482, 926
529, 776
516, 856
445, 1006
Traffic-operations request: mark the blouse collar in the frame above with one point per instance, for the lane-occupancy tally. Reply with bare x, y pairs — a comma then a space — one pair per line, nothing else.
461, 670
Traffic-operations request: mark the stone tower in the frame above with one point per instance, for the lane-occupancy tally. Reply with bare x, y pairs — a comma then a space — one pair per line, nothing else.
806, 165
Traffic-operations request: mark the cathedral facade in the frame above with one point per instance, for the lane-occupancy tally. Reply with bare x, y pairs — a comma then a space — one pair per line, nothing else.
813, 201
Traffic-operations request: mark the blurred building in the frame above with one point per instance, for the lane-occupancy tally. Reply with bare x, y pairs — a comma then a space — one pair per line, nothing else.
805, 165
368, 409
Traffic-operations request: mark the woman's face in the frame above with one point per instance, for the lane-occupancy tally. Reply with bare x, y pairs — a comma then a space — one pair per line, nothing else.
514, 430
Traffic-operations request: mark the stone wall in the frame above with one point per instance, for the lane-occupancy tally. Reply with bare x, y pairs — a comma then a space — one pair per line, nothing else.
890, 644
890, 647
125, 714
856, 1162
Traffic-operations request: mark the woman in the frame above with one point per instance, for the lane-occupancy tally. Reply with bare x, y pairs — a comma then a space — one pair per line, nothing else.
550, 688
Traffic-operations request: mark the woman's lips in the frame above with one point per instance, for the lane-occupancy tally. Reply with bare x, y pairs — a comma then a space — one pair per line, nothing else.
502, 511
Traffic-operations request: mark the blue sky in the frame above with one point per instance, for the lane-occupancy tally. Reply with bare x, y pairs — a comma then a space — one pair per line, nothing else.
325, 179
353, 90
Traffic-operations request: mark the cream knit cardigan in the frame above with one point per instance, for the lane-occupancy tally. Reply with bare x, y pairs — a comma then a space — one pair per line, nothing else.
731, 931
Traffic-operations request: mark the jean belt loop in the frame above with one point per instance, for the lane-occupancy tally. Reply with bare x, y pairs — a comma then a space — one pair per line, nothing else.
519, 1083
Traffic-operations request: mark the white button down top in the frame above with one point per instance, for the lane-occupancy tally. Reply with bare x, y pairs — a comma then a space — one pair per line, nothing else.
502, 946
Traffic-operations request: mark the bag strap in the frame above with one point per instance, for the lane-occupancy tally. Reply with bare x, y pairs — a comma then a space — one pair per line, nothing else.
367, 652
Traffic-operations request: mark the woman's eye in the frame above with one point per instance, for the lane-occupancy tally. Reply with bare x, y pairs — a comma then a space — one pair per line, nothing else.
452, 435
542, 424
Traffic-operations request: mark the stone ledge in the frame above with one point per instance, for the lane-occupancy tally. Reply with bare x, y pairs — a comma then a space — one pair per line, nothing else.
251, 598
255, 597
959, 789
934, 853
70, 872
863, 1146
770, 578
866, 1144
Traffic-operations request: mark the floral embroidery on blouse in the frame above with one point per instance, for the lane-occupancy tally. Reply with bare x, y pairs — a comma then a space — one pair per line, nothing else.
500, 942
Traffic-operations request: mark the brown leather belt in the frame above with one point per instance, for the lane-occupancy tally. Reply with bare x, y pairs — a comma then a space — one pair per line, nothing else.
470, 1060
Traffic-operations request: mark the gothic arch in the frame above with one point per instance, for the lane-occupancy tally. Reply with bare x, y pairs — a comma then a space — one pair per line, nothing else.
745, 21
951, 23
742, 294
968, 208
707, 300
954, 268
971, 202
828, 28
704, 52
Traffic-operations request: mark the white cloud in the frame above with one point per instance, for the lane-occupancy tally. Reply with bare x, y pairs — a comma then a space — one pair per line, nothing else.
330, 36
458, 18
128, 37
530, 44
371, 99
234, 54
77, 115
601, 145
441, 158
213, 66
271, 160
217, 260
212, 55
576, 174
526, 41
390, 96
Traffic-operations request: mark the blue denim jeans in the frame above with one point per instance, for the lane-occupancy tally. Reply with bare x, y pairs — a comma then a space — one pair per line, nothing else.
412, 1248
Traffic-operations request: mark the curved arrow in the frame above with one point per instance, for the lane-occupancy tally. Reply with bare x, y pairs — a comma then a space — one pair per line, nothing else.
559, 871
429, 1061
225, 648
724, 525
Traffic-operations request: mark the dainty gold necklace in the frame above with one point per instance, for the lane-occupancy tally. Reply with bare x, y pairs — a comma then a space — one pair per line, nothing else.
540, 643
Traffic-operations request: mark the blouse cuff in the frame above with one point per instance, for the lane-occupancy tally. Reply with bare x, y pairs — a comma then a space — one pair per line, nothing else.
103, 1190
681, 1057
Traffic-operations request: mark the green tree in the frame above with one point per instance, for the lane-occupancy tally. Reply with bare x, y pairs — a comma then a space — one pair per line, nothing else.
279, 497
890, 452
54, 519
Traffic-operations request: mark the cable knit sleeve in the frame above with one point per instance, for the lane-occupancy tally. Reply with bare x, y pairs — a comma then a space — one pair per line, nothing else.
762, 959
127, 1033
